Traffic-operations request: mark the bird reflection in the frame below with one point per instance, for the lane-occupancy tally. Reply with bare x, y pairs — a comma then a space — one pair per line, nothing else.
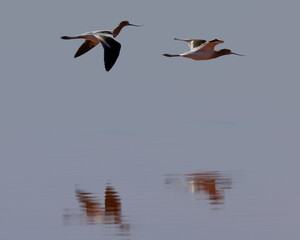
112, 205
95, 212
208, 184
91, 206
212, 184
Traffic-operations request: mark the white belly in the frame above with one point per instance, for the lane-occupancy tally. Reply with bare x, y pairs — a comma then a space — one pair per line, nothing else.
202, 55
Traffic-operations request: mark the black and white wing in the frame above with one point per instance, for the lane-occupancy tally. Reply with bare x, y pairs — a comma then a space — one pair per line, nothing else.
210, 46
193, 43
111, 51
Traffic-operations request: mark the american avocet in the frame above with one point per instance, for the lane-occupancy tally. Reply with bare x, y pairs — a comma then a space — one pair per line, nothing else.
202, 50
115, 32
92, 39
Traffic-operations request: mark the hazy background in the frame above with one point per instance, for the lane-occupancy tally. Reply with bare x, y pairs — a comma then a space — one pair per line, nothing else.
67, 121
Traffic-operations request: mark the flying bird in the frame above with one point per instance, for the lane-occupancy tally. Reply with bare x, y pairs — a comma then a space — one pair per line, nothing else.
202, 50
111, 47
115, 32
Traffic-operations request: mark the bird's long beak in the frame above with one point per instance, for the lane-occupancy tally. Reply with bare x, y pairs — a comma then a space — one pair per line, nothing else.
135, 25
238, 54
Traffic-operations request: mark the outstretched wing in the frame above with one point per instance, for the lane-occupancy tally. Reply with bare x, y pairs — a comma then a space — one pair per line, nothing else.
193, 43
210, 46
85, 47
111, 51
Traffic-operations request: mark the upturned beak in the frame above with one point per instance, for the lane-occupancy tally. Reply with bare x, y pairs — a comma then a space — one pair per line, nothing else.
135, 25
238, 54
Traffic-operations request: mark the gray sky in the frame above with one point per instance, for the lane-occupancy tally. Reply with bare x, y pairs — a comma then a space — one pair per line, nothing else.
46, 93
49, 99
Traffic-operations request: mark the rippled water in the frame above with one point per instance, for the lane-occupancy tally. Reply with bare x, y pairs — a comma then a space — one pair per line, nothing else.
139, 186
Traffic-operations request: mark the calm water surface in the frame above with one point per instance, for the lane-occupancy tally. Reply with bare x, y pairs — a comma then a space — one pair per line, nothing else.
130, 185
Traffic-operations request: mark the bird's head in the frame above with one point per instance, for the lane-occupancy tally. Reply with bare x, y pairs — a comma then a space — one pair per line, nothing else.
226, 51
126, 23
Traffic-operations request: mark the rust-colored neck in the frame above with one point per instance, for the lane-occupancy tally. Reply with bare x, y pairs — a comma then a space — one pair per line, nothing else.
117, 30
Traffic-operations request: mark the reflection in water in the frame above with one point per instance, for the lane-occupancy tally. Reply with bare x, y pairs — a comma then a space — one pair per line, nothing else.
91, 206
94, 212
112, 205
210, 184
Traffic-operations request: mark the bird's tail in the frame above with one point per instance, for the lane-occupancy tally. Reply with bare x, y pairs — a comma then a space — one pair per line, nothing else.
171, 55
184, 40
67, 37
179, 39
